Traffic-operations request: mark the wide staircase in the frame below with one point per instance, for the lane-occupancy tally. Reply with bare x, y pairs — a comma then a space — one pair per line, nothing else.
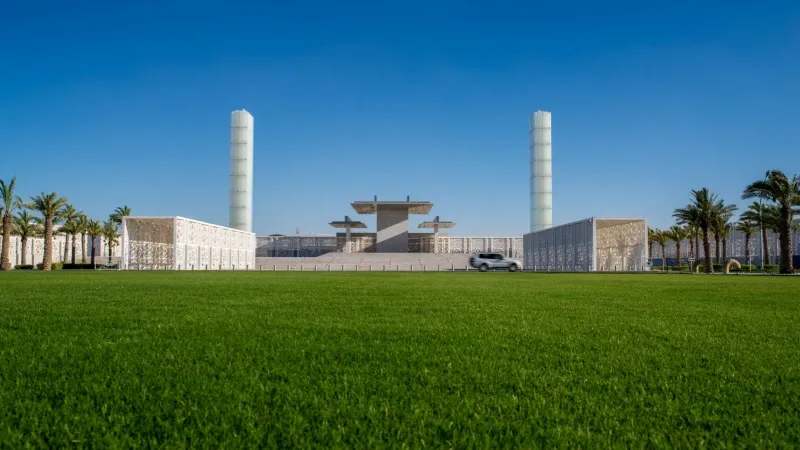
366, 262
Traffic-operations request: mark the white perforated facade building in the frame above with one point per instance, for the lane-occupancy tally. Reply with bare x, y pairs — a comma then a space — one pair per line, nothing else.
590, 245
177, 243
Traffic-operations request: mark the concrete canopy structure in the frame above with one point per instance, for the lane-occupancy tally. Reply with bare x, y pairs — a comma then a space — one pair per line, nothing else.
589, 245
392, 236
347, 224
177, 243
436, 224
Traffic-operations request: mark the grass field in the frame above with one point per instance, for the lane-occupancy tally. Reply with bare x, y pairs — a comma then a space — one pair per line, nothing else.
398, 359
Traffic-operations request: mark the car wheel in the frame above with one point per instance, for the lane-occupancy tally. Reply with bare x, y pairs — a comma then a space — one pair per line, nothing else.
484, 268
512, 268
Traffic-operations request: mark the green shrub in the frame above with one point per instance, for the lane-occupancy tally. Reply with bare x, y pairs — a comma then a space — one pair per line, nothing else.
53, 266
771, 268
25, 267
87, 266
679, 268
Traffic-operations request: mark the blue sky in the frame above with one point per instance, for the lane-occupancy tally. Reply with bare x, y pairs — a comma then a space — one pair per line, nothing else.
130, 104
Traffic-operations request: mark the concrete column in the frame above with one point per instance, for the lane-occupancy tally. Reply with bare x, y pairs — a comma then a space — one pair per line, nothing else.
435, 238
347, 239
392, 236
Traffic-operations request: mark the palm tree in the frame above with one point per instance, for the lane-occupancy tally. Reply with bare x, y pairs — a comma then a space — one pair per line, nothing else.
25, 226
785, 193
651, 239
725, 234
94, 229
49, 206
755, 214
661, 239
690, 234
678, 234
119, 213
748, 229
111, 234
721, 227
82, 223
701, 211
8, 206
69, 215
71, 229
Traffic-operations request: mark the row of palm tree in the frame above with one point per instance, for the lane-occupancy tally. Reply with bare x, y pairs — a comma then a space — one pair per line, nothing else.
707, 214
53, 210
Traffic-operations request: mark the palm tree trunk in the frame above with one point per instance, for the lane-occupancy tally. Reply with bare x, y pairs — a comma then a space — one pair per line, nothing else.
786, 241
724, 251
24, 250
707, 251
716, 247
677, 253
66, 247
650, 249
747, 248
83, 248
5, 260
691, 246
47, 264
697, 245
663, 257
765, 256
74, 246
93, 246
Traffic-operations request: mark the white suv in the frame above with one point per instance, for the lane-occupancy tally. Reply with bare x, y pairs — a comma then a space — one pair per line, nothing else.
486, 261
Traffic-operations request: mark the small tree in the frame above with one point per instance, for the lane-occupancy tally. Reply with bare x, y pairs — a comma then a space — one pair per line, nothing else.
7, 206
748, 229
785, 193
702, 209
26, 227
119, 213
651, 239
82, 225
678, 234
94, 229
49, 206
661, 239
721, 227
68, 216
111, 235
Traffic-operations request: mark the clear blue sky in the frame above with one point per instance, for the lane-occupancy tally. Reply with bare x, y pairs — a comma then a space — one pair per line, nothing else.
130, 104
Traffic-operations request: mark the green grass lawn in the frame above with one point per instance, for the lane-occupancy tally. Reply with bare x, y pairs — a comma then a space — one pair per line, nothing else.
398, 359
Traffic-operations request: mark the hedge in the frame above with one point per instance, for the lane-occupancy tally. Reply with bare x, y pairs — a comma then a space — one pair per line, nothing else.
53, 266
88, 266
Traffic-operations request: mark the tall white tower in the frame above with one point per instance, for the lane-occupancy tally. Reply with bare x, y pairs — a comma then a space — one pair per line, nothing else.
241, 214
541, 171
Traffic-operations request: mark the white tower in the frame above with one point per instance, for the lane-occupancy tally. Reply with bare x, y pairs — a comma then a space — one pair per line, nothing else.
241, 214
541, 171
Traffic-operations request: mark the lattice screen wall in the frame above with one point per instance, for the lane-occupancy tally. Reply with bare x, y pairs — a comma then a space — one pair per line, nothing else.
562, 248
310, 246
185, 244
621, 247
34, 249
